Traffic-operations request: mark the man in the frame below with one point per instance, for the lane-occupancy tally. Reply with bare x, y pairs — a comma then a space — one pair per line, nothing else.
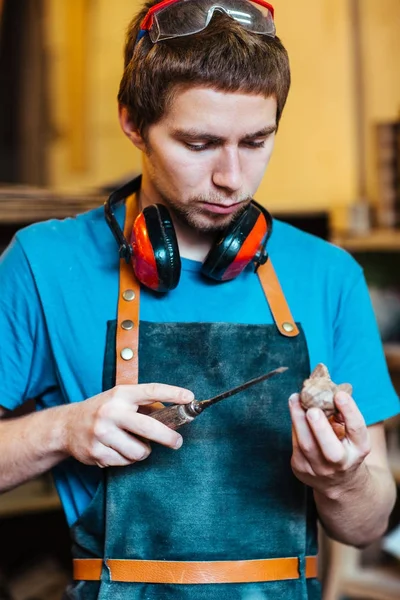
233, 513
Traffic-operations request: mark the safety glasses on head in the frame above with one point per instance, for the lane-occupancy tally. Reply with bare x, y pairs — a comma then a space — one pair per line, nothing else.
177, 18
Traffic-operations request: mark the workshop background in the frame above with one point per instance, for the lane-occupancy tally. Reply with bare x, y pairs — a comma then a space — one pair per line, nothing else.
335, 172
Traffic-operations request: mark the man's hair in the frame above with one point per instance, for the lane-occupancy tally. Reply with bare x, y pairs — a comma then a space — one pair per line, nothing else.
224, 56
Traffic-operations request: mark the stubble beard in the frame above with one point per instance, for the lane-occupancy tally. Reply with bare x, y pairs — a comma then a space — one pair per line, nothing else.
194, 216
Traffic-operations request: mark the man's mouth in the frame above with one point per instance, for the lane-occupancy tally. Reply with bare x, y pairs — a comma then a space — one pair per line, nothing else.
220, 209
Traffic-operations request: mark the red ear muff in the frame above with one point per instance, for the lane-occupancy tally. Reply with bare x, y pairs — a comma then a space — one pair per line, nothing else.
155, 257
242, 242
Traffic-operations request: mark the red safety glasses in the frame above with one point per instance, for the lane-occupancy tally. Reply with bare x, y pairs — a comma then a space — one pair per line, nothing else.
177, 18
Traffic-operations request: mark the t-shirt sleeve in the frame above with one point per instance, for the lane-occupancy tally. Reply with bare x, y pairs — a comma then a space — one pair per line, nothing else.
23, 348
358, 352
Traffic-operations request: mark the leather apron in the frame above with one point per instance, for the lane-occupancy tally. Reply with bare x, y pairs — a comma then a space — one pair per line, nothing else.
222, 518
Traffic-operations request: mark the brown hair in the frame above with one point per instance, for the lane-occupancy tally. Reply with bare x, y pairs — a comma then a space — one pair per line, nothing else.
224, 56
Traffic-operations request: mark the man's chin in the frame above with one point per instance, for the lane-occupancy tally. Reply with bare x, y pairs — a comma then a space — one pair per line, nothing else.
202, 220
207, 222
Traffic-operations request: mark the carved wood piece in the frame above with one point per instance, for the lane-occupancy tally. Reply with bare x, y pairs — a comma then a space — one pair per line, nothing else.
319, 390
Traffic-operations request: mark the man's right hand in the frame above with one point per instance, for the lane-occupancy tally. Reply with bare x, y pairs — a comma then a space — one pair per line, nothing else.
107, 429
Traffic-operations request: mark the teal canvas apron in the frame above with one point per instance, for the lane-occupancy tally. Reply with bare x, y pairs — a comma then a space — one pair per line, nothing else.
229, 493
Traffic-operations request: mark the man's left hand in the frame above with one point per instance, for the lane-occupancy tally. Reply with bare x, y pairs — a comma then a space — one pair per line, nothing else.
320, 459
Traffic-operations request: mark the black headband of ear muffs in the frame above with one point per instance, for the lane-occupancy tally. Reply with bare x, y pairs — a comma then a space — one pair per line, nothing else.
117, 198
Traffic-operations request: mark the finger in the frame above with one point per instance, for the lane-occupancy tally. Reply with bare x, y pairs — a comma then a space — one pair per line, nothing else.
356, 429
129, 447
295, 441
121, 442
147, 393
104, 456
330, 446
299, 463
149, 428
305, 439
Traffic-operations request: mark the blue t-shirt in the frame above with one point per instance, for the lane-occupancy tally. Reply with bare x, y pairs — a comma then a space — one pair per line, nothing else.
59, 288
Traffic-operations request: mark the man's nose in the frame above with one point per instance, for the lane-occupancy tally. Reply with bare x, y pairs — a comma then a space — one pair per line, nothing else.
227, 170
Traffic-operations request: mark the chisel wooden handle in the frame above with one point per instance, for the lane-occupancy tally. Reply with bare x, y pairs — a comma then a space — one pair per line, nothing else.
175, 416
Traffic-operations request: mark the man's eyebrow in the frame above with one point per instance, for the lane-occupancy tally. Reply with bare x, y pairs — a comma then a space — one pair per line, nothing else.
197, 134
266, 131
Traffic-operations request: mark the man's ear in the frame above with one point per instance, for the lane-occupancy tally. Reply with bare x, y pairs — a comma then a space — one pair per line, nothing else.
129, 128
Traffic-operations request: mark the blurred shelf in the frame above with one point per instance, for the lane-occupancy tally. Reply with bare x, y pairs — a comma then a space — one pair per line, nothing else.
378, 240
25, 204
35, 496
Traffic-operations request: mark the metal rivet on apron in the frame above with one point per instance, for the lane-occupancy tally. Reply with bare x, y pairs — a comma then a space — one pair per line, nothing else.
128, 295
127, 353
127, 325
287, 327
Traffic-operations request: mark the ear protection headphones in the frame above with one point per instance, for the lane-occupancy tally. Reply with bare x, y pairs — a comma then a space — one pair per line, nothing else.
153, 248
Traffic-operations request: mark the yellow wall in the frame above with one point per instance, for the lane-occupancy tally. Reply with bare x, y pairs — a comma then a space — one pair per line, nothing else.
381, 51
109, 154
315, 163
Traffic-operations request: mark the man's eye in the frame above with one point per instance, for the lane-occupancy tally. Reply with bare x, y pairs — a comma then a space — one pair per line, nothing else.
197, 147
208, 145
256, 144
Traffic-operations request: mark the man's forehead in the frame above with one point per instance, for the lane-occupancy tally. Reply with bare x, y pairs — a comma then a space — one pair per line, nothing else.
216, 112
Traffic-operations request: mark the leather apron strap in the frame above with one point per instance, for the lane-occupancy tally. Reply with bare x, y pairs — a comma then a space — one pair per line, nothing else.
184, 572
127, 345
276, 299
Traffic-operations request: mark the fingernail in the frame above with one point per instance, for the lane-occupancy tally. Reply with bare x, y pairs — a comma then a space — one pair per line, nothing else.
179, 443
188, 395
145, 454
342, 398
293, 399
314, 414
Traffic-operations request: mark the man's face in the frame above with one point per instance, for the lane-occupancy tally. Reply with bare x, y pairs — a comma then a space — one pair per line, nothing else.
206, 157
